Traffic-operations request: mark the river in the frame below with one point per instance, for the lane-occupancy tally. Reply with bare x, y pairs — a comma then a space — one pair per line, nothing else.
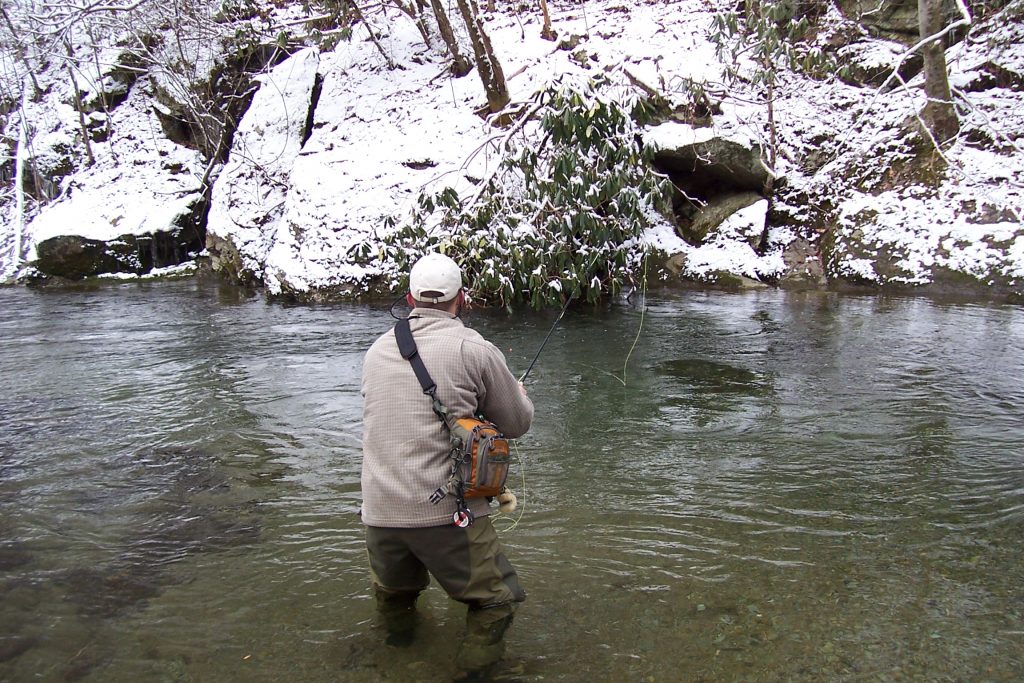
763, 486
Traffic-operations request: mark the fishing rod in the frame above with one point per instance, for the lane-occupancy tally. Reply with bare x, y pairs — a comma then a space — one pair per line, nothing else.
565, 307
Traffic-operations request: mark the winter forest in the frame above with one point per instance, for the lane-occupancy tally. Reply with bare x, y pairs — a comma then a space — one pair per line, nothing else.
316, 148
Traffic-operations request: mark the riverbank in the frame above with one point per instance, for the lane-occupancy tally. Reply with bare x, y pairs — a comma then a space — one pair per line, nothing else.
665, 286
338, 148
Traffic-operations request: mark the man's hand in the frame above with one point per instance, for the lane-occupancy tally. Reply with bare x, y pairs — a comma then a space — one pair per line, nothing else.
522, 388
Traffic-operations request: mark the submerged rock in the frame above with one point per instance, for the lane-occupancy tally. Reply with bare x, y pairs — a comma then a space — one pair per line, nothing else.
12, 647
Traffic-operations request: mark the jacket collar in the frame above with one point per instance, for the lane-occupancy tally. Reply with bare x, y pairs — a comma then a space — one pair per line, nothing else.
431, 313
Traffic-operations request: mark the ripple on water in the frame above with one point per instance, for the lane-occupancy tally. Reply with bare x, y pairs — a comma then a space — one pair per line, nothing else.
774, 487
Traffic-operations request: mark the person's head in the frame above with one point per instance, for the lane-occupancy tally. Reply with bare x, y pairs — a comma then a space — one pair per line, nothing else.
435, 281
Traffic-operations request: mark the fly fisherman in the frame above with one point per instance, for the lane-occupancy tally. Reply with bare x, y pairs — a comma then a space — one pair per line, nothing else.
406, 458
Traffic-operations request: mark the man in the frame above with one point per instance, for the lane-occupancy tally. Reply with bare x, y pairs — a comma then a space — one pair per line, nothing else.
406, 458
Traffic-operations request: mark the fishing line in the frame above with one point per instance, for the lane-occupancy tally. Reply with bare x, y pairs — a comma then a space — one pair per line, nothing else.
548, 336
522, 502
391, 309
643, 309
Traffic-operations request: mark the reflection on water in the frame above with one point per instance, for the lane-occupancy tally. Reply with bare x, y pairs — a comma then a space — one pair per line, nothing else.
769, 486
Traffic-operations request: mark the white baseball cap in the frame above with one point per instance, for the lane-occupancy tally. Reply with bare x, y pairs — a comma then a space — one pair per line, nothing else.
435, 278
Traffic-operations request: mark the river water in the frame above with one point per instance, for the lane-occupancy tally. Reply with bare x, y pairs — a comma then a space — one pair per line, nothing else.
774, 487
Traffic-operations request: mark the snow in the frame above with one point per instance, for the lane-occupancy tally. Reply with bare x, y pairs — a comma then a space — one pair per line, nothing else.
251, 191
674, 134
380, 137
140, 182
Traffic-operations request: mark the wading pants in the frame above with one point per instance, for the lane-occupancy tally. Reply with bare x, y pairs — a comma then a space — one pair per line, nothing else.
470, 566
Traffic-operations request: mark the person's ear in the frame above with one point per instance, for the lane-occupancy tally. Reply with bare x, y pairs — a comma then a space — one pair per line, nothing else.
409, 300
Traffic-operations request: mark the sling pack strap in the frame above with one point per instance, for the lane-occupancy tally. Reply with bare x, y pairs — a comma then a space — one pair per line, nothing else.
463, 516
407, 347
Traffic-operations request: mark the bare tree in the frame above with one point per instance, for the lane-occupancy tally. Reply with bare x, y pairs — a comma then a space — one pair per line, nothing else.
460, 65
487, 64
939, 113
20, 50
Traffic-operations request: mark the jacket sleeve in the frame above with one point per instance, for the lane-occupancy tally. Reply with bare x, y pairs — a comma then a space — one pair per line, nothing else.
499, 397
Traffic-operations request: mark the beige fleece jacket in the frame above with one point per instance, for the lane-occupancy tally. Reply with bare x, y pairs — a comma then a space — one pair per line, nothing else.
405, 446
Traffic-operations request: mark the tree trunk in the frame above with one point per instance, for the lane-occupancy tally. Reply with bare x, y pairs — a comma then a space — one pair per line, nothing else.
939, 114
20, 165
487, 64
460, 65
546, 32
79, 107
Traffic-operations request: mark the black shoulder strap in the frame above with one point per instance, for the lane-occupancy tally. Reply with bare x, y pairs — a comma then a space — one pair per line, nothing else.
407, 347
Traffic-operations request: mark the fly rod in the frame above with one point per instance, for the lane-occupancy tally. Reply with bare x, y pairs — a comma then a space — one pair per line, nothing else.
565, 307
544, 343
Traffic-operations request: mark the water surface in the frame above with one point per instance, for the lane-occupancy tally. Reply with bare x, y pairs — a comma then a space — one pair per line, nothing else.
775, 487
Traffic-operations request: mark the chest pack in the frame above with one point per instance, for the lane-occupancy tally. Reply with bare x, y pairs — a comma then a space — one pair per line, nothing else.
479, 451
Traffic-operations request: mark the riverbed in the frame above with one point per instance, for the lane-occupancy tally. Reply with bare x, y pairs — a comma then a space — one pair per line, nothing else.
762, 486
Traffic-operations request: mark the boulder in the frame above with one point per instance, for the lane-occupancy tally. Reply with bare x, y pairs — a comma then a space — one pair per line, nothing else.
72, 257
869, 62
715, 212
714, 166
804, 268
893, 19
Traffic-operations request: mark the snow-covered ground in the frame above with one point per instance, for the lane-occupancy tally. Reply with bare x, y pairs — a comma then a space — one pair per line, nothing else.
381, 136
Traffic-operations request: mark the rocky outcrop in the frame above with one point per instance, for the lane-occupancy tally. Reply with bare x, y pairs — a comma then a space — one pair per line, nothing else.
892, 19
715, 211
249, 196
712, 165
869, 62
201, 112
71, 257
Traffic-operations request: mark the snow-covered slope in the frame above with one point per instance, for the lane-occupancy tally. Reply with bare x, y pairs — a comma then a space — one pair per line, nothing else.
294, 199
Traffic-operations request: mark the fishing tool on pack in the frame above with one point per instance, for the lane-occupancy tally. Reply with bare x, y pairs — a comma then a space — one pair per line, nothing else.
479, 452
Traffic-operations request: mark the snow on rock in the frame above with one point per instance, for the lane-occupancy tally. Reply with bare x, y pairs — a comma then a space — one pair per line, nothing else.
676, 134
730, 249
139, 183
249, 195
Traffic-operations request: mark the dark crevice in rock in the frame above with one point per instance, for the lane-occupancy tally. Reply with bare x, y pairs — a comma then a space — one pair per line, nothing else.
232, 87
314, 100
713, 180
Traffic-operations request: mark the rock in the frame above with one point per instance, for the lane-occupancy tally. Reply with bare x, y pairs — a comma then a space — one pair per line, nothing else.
714, 213
989, 75
108, 89
675, 263
249, 197
894, 19
181, 104
714, 166
715, 178
73, 258
804, 269
869, 62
